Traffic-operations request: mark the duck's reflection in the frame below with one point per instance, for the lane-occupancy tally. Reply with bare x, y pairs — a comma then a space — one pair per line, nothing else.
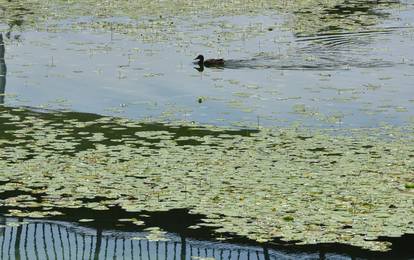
200, 68
3, 70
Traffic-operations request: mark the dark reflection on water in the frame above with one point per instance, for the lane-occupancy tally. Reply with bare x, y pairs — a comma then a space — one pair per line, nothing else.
64, 240
8, 127
3, 70
14, 13
22, 238
348, 8
342, 16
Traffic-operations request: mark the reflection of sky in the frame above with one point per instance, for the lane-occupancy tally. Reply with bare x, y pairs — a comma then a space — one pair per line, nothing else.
89, 72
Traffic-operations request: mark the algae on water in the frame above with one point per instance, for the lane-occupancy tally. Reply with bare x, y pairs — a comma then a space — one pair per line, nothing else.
296, 185
304, 17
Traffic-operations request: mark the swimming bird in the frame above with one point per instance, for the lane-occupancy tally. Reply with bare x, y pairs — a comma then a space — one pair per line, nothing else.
210, 62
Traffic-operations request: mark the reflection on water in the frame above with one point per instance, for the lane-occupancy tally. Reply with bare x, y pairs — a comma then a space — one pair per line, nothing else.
60, 240
22, 238
349, 8
29, 239
342, 16
3, 70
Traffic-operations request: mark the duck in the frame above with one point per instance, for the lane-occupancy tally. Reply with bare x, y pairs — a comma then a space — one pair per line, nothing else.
210, 62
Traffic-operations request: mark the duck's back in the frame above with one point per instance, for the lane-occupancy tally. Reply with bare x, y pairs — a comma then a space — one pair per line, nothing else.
214, 62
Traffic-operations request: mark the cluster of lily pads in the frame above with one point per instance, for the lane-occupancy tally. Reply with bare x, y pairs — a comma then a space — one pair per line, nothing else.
304, 17
297, 185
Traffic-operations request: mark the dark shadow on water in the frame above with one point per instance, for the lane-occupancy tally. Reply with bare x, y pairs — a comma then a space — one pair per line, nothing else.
349, 8
7, 126
3, 70
106, 229
345, 15
15, 14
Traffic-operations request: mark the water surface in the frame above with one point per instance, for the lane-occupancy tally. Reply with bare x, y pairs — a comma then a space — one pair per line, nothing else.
345, 65
356, 78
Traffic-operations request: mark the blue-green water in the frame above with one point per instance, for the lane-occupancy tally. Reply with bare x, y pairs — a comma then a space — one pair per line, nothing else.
343, 79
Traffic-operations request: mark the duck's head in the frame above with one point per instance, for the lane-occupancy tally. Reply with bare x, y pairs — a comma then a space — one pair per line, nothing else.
200, 58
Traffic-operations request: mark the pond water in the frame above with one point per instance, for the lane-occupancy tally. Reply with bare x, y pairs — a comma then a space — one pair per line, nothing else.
347, 78
344, 66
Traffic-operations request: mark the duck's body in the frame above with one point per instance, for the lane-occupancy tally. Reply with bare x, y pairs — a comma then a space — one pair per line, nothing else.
209, 62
